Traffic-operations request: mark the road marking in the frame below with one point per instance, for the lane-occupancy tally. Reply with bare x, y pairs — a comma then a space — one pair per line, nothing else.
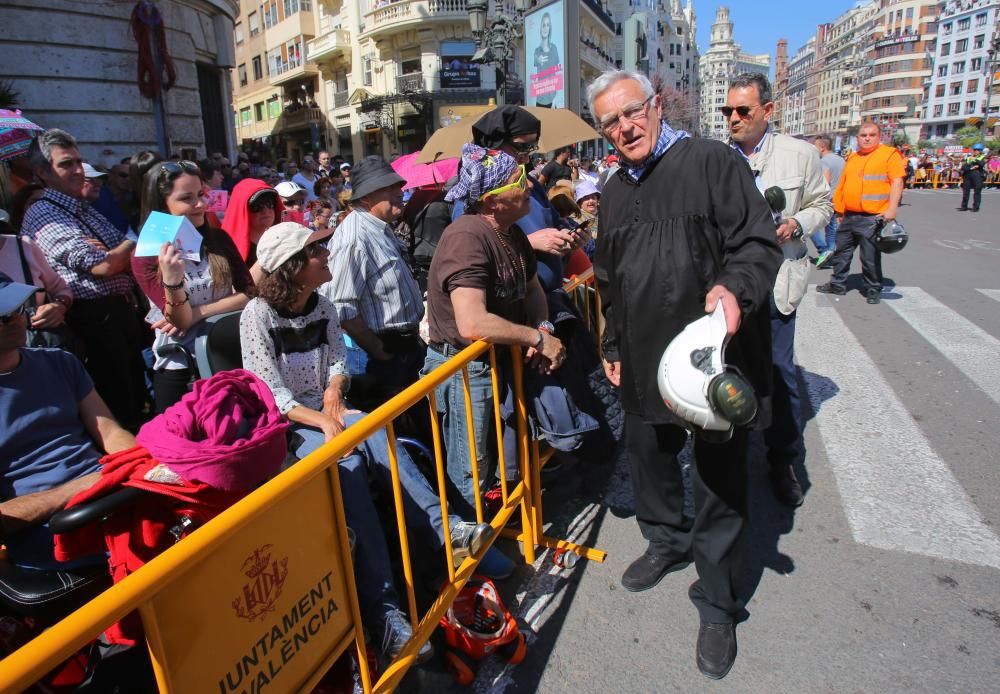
991, 293
897, 493
970, 348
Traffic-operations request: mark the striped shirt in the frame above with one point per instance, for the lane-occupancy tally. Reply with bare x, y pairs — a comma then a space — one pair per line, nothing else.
370, 277
60, 226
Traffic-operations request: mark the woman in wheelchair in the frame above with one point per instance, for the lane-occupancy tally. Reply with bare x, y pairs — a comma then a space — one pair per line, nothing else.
183, 291
292, 340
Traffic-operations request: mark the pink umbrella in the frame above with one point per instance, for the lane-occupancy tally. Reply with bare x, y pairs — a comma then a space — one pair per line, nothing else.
16, 134
418, 175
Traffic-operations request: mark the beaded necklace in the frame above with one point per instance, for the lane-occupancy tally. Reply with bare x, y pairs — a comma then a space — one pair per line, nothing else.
515, 259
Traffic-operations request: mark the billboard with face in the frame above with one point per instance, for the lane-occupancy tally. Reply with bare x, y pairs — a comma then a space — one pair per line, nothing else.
545, 55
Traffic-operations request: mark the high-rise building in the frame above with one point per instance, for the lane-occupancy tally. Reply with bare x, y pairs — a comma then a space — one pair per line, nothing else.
723, 61
957, 92
800, 70
840, 53
904, 34
780, 85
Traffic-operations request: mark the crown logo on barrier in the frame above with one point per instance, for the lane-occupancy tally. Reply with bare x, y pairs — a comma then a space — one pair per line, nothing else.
267, 578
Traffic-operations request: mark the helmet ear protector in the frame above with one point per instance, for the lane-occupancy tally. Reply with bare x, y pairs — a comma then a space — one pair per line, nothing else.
697, 385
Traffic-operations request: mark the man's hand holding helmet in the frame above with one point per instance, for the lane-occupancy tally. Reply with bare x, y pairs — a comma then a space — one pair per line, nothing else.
730, 305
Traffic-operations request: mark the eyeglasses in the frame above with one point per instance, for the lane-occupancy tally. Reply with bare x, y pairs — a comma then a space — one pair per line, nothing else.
177, 168
521, 184
524, 147
632, 113
13, 315
742, 111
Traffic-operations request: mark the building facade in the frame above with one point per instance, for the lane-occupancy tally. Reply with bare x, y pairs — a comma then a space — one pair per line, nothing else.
74, 67
720, 63
957, 92
840, 56
800, 74
904, 39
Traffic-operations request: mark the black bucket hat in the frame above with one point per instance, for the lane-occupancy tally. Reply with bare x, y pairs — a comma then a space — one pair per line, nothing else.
372, 173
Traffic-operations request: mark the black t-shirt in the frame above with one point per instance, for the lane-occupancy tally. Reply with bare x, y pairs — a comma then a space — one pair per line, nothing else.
471, 254
554, 171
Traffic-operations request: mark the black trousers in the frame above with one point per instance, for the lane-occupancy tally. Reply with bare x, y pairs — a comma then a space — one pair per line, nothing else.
974, 184
110, 329
715, 537
857, 231
169, 386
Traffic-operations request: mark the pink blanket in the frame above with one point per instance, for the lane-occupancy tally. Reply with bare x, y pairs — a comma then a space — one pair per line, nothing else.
227, 433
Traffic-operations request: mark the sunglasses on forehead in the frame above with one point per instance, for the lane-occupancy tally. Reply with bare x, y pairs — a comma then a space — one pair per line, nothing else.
177, 168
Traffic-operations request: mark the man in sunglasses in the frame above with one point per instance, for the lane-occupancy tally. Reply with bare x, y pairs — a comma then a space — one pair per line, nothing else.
683, 228
794, 166
94, 258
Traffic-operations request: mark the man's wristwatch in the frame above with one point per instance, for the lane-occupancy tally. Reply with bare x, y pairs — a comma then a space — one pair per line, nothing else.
546, 326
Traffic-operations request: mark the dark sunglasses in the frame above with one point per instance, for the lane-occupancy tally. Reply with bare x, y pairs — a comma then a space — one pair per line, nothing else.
13, 315
523, 147
177, 168
261, 205
743, 111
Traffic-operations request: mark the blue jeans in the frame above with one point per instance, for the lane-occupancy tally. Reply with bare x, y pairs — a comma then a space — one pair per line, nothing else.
369, 462
451, 403
826, 240
784, 437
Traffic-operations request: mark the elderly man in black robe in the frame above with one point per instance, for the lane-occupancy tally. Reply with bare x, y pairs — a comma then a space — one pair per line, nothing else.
683, 227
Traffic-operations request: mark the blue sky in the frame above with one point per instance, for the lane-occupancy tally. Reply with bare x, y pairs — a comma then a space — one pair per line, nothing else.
758, 25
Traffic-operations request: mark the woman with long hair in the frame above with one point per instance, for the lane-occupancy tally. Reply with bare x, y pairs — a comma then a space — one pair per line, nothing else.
183, 291
253, 208
291, 339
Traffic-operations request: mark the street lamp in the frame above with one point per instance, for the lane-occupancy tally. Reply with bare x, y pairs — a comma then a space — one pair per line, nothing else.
495, 42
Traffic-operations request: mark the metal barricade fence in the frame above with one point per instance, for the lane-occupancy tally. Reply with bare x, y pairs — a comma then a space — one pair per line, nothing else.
182, 595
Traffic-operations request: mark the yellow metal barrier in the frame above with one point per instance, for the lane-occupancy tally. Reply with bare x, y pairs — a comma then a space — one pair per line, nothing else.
202, 599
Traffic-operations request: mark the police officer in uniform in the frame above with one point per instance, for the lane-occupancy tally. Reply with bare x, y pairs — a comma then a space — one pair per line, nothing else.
973, 174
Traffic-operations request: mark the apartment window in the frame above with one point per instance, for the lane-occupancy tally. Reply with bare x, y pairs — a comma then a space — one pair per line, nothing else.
258, 111
238, 30
939, 90
367, 65
946, 29
270, 10
242, 72
961, 46
955, 89
958, 68
254, 21
981, 20
972, 87
977, 64
942, 70
409, 61
293, 6
245, 115
970, 107
953, 108
909, 13
938, 111
979, 42
945, 49
273, 108
964, 24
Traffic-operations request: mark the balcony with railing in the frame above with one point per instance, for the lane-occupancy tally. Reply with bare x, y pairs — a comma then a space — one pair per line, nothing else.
299, 118
394, 16
331, 44
409, 84
341, 98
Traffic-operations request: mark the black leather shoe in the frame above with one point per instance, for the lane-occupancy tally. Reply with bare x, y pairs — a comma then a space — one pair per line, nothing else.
786, 486
874, 296
648, 570
716, 649
829, 288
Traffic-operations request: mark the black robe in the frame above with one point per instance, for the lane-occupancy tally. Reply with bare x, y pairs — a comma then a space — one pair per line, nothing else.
694, 220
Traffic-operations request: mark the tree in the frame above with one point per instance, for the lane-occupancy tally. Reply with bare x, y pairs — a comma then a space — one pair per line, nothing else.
926, 144
968, 136
678, 110
900, 138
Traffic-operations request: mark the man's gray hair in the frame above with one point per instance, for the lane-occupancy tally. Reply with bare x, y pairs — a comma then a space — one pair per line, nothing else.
608, 78
754, 79
40, 150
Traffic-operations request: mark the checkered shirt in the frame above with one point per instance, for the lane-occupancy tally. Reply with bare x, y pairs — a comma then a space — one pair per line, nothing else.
60, 226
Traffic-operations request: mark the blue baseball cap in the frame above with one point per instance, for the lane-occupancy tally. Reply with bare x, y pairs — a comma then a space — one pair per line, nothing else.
978, 146
13, 294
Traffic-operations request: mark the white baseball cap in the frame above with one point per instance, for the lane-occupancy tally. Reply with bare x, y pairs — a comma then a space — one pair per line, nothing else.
288, 189
90, 172
282, 241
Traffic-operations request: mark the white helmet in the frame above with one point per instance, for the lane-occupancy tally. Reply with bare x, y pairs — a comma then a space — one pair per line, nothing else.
695, 382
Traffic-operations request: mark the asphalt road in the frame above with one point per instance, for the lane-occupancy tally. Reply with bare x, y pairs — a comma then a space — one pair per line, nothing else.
887, 579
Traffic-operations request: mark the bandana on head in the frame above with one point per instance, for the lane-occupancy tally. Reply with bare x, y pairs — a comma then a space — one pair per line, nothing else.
503, 123
482, 171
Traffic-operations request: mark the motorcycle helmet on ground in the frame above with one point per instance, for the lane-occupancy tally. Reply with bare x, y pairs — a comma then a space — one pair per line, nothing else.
890, 236
696, 384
